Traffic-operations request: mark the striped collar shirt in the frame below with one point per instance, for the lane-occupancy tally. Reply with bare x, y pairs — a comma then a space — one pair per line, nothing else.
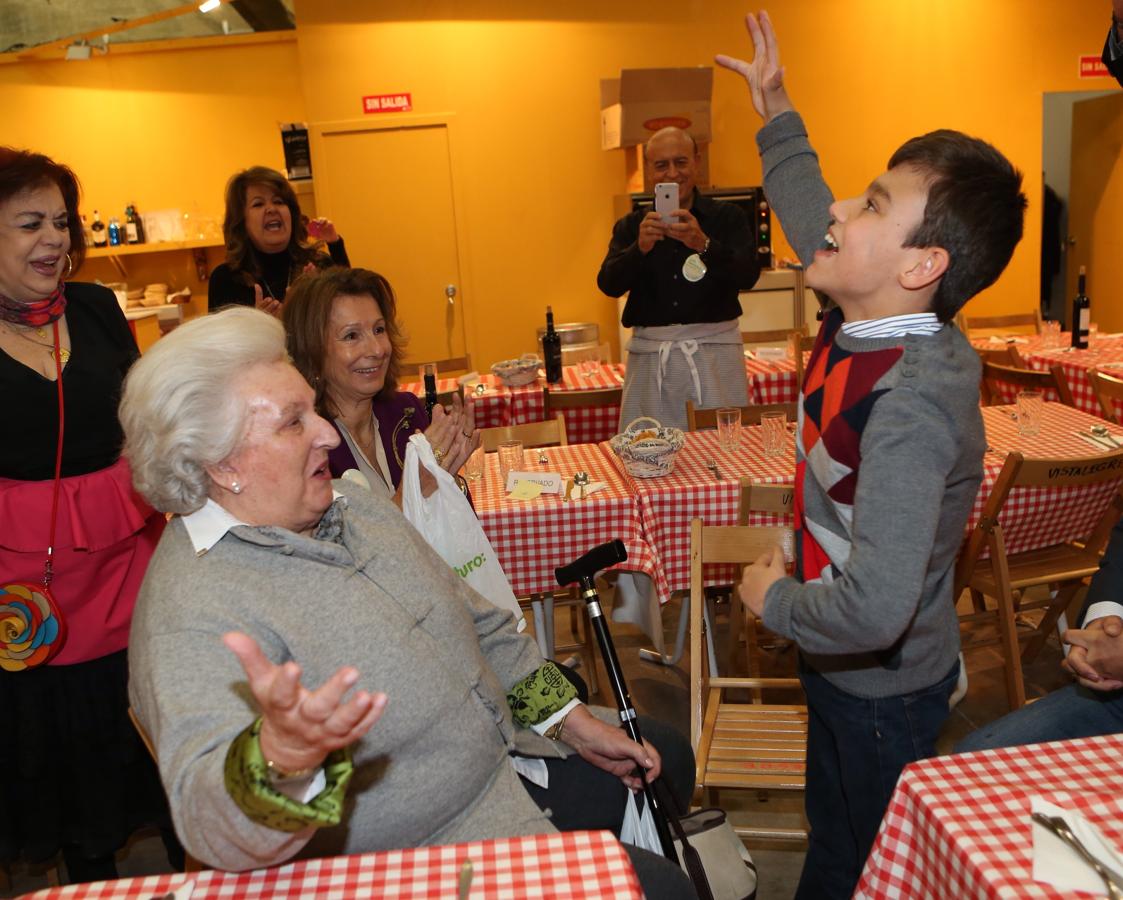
893, 326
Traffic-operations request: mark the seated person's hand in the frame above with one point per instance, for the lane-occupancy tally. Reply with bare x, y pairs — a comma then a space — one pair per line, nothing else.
651, 231
1096, 654
610, 748
299, 727
453, 435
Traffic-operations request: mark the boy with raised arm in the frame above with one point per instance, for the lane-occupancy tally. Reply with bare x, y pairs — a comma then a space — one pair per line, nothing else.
888, 453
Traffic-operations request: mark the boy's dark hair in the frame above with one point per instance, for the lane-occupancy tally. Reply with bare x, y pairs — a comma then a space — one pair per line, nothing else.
975, 211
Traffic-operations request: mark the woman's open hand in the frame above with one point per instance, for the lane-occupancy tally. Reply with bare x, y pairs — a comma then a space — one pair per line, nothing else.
300, 727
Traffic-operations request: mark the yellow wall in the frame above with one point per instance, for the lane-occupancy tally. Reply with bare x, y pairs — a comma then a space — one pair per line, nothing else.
163, 129
867, 75
167, 128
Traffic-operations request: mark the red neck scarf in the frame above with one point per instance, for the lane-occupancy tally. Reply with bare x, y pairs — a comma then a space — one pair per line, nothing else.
38, 312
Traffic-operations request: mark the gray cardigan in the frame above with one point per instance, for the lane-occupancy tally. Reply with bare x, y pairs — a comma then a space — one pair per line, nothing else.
887, 625
433, 769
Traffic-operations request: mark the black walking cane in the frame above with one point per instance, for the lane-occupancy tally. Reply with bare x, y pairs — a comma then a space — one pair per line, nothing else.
584, 570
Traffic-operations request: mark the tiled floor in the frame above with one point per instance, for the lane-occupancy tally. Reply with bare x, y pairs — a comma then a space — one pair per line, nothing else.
662, 692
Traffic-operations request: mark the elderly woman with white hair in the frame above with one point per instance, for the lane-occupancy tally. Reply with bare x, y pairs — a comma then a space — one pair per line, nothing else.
315, 679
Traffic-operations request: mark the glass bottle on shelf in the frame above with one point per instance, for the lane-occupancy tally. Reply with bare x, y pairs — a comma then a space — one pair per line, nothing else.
97, 230
134, 228
114, 231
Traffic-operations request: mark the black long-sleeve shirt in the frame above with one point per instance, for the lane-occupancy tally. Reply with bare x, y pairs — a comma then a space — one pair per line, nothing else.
226, 287
660, 295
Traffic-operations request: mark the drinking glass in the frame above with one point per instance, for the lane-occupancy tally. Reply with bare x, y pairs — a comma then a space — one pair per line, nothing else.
474, 465
774, 431
1030, 405
1093, 332
729, 429
1052, 330
510, 459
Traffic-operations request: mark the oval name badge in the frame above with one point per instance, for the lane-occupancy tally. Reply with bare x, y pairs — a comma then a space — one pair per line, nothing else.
693, 269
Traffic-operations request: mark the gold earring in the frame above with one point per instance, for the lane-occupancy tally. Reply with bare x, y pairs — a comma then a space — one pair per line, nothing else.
69, 266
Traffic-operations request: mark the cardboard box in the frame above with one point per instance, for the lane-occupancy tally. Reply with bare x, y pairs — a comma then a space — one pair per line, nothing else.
641, 101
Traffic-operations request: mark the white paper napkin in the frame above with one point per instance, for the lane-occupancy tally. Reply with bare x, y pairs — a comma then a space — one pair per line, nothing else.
1058, 864
771, 354
999, 339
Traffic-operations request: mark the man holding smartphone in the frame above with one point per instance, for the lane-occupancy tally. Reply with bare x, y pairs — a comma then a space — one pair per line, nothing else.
682, 271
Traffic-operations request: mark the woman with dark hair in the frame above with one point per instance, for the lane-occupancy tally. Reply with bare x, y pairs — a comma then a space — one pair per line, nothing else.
75, 540
344, 338
267, 242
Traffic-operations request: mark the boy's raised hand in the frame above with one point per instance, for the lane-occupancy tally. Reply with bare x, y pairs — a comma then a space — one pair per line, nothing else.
764, 74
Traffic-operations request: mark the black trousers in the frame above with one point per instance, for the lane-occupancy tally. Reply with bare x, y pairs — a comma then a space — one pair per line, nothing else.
583, 797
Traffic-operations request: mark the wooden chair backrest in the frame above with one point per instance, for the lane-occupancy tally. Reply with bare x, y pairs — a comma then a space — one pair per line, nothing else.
548, 433
799, 345
1109, 391
555, 400
698, 418
1027, 379
768, 498
452, 366
1027, 320
1041, 472
772, 336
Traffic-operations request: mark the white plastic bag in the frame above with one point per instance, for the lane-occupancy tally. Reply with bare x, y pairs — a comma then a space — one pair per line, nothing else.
448, 522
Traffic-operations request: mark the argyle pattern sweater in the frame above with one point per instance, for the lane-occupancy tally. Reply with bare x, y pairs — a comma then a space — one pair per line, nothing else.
888, 461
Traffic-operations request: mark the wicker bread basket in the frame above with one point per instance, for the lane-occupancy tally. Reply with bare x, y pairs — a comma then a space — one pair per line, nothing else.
517, 372
647, 449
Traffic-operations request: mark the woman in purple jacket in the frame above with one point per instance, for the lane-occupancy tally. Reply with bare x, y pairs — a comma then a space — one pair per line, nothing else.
343, 335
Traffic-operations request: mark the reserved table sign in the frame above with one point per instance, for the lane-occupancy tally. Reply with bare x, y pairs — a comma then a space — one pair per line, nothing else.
549, 482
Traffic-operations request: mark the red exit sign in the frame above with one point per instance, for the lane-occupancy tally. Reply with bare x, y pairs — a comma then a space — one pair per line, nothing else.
380, 103
1093, 67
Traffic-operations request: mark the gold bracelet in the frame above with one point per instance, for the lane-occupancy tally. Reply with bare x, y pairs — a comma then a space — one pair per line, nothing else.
554, 732
277, 775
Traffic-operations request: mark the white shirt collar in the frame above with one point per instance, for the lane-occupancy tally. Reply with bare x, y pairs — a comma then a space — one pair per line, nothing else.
894, 326
209, 524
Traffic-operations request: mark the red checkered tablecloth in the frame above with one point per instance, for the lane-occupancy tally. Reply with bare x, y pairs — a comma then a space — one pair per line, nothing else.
1037, 517
533, 537
1103, 352
573, 864
500, 405
772, 381
1034, 517
959, 826
668, 504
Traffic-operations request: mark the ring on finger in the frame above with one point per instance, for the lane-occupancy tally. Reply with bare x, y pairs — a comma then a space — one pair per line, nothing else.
438, 453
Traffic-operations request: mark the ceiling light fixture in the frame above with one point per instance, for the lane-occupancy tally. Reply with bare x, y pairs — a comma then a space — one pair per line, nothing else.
207, 5
78, 50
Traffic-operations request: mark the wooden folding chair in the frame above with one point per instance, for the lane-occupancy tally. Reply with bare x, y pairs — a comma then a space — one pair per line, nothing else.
754, 746
190, 863
1006, 355
1052, 383
1027, 322
454, 365
549, 433
986, 569
698, 418
1109, 391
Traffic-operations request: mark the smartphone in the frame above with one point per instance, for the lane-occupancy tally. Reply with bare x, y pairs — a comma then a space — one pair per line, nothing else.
666, 200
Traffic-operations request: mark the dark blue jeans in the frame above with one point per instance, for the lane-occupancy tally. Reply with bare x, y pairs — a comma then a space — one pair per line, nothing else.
856, 749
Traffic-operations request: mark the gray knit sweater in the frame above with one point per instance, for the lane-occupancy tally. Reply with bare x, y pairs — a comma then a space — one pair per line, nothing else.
433, 769
879, 619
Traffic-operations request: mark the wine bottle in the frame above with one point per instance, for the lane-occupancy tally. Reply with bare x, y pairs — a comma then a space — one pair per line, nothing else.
100, 238
134, 230
551, 350
114, 231
429, 376
1081, 314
